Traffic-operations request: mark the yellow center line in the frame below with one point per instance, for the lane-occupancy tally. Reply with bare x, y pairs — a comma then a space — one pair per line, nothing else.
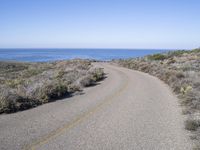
75, 122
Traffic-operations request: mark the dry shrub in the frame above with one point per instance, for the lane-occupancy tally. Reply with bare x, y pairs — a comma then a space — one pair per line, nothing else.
192, 124
38, 83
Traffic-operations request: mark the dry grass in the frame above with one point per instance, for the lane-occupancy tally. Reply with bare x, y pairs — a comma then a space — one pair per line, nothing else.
181, 71
26, 85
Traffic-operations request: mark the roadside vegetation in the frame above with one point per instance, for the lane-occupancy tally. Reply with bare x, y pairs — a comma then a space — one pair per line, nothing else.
181, 71
27, 85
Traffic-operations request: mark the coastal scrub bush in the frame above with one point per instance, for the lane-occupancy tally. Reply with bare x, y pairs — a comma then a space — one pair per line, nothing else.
27, 85
86, 81
52, 91
178, 53
9, 101
192, 124
97, 74
157, 57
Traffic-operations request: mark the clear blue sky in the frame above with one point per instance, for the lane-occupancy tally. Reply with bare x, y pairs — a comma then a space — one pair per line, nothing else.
100, 23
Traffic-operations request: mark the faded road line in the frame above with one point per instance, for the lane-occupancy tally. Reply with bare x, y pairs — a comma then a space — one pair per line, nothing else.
78, 120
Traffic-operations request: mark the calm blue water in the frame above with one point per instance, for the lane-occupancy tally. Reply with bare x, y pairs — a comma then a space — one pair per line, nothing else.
42, 55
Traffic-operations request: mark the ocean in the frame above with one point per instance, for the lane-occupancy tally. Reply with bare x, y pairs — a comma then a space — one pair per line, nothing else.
44, 55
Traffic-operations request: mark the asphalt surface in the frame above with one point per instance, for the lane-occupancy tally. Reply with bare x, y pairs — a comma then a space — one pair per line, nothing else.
129, 110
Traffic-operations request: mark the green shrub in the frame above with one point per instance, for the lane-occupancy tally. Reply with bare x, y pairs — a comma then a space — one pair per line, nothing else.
197, 50
157, 57
53, 91
98, 74
177, 53
14, 82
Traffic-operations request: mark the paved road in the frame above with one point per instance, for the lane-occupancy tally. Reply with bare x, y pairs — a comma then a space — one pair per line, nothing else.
129, 110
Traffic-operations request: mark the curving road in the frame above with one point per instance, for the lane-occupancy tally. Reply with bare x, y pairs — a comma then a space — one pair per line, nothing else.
129, 110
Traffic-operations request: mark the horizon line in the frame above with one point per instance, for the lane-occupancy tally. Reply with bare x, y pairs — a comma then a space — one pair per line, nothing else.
98, 48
